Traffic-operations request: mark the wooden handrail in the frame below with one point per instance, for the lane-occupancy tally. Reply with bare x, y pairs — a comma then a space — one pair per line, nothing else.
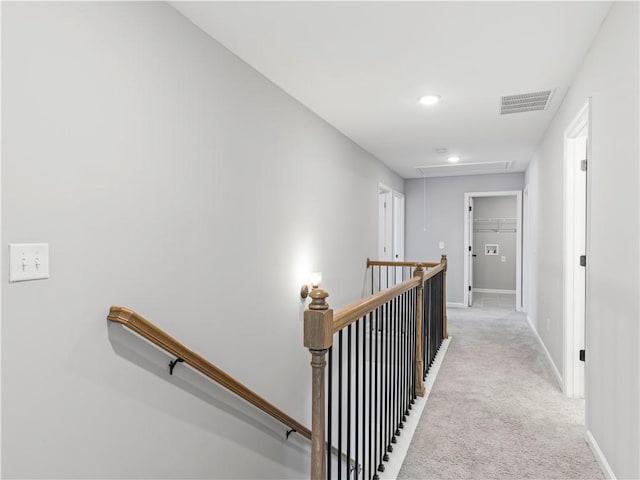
384, 263
349, 314
155, 335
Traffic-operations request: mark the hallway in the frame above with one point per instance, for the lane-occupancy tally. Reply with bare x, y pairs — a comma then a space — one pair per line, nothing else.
495, 410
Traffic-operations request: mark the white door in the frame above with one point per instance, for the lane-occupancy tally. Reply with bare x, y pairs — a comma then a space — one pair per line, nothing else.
385, 226
385, 232
470, 254
398, 232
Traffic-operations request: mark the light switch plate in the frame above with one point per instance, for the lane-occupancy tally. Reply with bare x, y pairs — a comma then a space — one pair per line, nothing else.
441, 245
503, 258
28, 261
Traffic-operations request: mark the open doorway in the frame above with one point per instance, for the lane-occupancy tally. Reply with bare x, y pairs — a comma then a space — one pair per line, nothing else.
575, 259
493, 248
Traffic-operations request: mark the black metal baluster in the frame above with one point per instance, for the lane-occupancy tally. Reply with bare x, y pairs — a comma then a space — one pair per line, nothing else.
392, 366
387, 379
396, 371
414, 331
441, 308
380, 417
376, 376
372, 275
408, 358
436, 319
409, 393
329, 410
375, 396
426, 325
370, 444
340, 405
349, 387
385, 385
390, 425
388, 390
357, 399
402, 370
385, 376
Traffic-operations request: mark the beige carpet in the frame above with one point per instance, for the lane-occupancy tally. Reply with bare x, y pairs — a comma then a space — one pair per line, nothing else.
495, 410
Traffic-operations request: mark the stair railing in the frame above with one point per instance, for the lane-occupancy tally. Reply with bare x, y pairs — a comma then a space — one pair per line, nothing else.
160, 338
369, 361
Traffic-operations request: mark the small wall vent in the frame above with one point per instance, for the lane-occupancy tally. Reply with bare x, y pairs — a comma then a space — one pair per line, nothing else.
525, 102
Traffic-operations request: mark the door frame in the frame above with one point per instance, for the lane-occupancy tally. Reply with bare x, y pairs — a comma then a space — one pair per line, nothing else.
571, 295
468, 235
385, 223
398, 226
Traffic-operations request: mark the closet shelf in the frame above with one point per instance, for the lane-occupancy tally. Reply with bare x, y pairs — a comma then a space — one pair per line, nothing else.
496, 225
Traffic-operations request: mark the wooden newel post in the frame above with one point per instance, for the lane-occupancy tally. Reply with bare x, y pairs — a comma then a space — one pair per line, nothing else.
420, 390
318, 337
445, 333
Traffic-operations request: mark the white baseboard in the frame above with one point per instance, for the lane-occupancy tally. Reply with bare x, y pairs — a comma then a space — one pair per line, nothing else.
549, 359
400, 449
455, 305
492, 290
602, 461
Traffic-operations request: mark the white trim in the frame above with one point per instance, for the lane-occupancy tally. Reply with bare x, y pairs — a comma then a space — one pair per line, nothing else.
467, 235
601, 459
400, 449
398, 225
385, 223
571, 344
492, 290
549, 359
1, 7
526, 250
455, 305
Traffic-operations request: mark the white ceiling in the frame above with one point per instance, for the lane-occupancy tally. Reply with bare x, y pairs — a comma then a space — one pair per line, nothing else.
362, 66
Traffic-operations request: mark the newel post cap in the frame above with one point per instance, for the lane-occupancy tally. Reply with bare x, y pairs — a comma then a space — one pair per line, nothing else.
318, 299
318, 322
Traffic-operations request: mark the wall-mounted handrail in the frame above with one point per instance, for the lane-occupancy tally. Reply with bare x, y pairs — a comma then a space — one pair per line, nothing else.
155, 335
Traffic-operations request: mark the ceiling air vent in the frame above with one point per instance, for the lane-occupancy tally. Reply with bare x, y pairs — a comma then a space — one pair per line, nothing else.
525, 102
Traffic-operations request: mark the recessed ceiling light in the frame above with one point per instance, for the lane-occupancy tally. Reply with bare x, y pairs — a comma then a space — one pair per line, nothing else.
429, 99
453, 159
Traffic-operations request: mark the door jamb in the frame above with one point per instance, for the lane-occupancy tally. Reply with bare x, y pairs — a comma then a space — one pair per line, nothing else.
581, 121
383, 232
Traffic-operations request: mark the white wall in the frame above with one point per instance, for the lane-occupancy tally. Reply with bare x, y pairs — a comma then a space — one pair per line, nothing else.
170, 177
609, 76
435, 212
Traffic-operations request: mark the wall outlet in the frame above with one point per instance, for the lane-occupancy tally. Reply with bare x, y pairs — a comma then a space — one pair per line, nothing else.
503, 259
28, 261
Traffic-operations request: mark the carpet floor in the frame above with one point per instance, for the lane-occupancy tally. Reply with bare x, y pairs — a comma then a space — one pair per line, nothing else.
495, 411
